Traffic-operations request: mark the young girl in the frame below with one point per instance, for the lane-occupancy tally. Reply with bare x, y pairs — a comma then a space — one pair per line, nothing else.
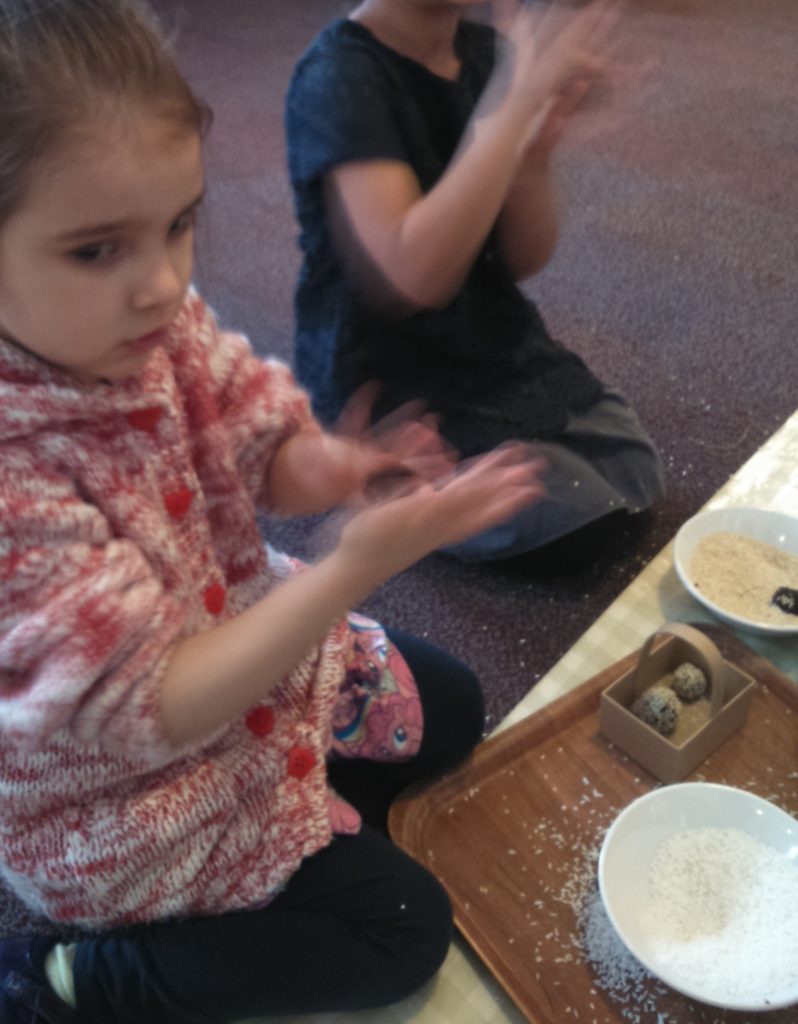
420, 155
170, 691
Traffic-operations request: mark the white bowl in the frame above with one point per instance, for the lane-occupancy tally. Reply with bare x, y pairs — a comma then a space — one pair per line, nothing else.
630, 846
777, 528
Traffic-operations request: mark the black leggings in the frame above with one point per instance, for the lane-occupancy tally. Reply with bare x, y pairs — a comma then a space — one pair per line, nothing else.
359, 925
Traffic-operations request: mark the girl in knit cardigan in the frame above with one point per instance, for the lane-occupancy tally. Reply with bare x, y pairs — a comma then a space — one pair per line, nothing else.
183, 712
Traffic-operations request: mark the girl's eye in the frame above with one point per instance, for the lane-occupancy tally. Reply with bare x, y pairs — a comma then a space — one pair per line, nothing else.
185, 222
97, 252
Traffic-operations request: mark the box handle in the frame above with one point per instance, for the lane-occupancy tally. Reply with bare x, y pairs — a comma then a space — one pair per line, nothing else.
708, 657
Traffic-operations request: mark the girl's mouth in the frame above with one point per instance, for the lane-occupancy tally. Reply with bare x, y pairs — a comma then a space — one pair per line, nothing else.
149, 341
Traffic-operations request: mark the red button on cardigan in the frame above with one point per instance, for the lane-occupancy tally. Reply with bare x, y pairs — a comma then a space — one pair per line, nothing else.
214, 598
300, 761
145, 419
260, 721
178, 502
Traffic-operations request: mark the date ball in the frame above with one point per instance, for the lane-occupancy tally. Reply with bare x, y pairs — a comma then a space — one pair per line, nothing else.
658, 707
689, 682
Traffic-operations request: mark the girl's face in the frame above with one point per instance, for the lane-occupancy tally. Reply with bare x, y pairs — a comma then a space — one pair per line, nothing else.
95, 264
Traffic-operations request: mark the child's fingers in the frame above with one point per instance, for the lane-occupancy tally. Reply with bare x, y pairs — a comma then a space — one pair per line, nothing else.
586, 27
607, 17
511, 454
503, 15
389, 485
431, 467
355, 418
409, 519
410, 412
406, 442
590, 30
408, 431
494, 485
491, 506
417, 446
416, 438
555, 49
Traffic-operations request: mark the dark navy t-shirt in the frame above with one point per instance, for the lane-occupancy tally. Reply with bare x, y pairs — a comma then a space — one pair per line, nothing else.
486, 361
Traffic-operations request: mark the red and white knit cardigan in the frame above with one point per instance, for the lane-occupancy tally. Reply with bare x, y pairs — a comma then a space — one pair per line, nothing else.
127, 522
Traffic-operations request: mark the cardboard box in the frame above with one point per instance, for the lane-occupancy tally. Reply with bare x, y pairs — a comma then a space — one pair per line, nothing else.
671, 759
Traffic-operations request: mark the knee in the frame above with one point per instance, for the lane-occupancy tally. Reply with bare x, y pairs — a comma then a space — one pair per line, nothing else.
648, 485
472, 703
424, 935
451, 733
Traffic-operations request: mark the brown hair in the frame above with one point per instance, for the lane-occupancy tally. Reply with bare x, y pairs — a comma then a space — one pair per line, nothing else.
61, 61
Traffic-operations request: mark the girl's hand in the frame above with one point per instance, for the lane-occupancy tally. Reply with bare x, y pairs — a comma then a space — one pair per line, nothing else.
317, 470
218, 673
405, 443
390, 534
542, 139
550, 62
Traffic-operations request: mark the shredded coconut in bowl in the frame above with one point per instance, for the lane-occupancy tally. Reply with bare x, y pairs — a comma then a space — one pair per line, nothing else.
722, 915
741, 575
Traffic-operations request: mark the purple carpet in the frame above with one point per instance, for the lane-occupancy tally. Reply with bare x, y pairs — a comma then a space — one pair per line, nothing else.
675, 279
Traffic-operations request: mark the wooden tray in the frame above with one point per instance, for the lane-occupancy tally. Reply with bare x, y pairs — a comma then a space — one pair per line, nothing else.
514, 834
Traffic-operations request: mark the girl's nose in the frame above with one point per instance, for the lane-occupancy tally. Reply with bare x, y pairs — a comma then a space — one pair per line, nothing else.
162, 282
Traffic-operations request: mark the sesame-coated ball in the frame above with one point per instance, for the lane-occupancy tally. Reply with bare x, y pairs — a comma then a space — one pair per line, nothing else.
658, 707
689, 682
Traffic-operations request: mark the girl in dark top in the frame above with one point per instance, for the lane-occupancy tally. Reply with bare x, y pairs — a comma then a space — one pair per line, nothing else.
419, 148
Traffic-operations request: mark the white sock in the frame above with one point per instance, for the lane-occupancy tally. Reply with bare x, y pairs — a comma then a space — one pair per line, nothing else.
58, 968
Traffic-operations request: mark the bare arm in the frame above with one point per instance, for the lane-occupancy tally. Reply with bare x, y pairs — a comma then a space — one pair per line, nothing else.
415, 246
419, 246
529, 223
214, 676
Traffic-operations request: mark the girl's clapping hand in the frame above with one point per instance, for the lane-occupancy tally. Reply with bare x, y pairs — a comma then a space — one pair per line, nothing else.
316, 470
392, 531
405, 443
550, 61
